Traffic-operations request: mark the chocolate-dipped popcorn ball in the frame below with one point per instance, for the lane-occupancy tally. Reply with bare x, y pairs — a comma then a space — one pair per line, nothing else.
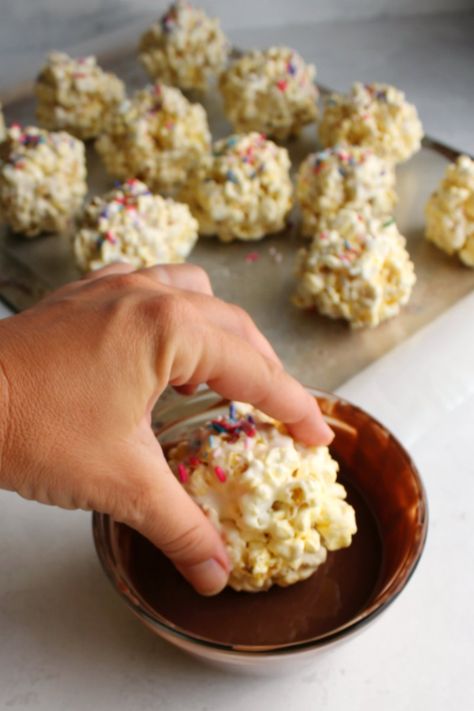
42, 179
356, 269
184, 48
450, 211
76, 95
271, 91
276, 502
131, 224
343, 176
375, 116
157, 136
242, 190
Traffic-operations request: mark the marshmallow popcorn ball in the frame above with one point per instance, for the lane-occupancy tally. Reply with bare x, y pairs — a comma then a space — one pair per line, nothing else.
156, 137
76, 95
276, 502
130, 224
450, 211
184, 48
375, 116
271, 91
242, 190
357, 269
42, 179
343, 176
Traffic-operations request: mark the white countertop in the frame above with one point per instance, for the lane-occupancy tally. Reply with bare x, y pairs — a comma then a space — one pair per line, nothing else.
67, 642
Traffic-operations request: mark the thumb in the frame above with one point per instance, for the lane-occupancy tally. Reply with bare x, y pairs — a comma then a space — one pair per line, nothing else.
170, 519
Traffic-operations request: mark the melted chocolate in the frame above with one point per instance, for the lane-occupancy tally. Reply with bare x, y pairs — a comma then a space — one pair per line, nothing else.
338, 591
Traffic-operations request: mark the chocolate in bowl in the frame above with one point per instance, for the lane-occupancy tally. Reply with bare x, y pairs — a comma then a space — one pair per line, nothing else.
348, 590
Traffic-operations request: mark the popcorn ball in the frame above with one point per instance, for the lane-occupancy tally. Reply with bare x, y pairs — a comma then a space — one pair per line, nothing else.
42, 179
130, 224
357, 269
184, 48
450, 211
243, 190
376, 116
157, 137
276, 502
343, 176
76, 95
271, 91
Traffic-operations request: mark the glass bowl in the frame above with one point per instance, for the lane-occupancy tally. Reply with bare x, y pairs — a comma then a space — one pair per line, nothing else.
280, 628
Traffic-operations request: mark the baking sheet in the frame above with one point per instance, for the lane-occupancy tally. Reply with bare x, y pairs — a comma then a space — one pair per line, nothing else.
317, 350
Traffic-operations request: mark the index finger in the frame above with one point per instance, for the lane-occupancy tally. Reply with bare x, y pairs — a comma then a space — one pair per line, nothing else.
236, 370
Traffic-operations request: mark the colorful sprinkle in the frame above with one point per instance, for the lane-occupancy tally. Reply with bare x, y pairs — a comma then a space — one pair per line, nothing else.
220, 474
230, 175
183, 474
252, 257
282, 84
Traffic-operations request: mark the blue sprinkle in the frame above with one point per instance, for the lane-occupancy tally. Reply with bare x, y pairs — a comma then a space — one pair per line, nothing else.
232, 177
232, 412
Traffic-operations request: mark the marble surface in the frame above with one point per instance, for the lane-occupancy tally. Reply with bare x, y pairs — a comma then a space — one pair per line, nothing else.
67, 640
29, 29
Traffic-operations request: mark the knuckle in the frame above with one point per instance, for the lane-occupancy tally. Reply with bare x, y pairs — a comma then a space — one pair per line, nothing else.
169, 308
246, 322
200, 277
123, 282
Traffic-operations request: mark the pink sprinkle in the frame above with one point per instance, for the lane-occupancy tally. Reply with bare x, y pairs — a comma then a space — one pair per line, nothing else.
109, 236
183, 473
220, 474
282, 84
252, 257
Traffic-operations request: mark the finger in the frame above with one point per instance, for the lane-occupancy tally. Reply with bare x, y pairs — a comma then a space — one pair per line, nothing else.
168, 517
236, 320
180, 276
236, 370
109, 270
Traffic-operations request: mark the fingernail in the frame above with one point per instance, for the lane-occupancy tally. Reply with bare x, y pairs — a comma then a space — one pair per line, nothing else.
208, 577
328, 433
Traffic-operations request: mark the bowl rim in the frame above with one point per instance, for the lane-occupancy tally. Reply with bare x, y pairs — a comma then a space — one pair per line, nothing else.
101, 533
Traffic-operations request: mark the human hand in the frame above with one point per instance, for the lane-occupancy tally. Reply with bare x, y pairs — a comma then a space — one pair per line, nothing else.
79, 376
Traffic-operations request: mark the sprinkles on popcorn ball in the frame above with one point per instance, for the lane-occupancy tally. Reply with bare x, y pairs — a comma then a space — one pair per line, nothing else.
375, 116
42, 179
157, 137
242, 190
76, 95
276, 502
357, 269
184, 48
130, 224
343, 176
271, 91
